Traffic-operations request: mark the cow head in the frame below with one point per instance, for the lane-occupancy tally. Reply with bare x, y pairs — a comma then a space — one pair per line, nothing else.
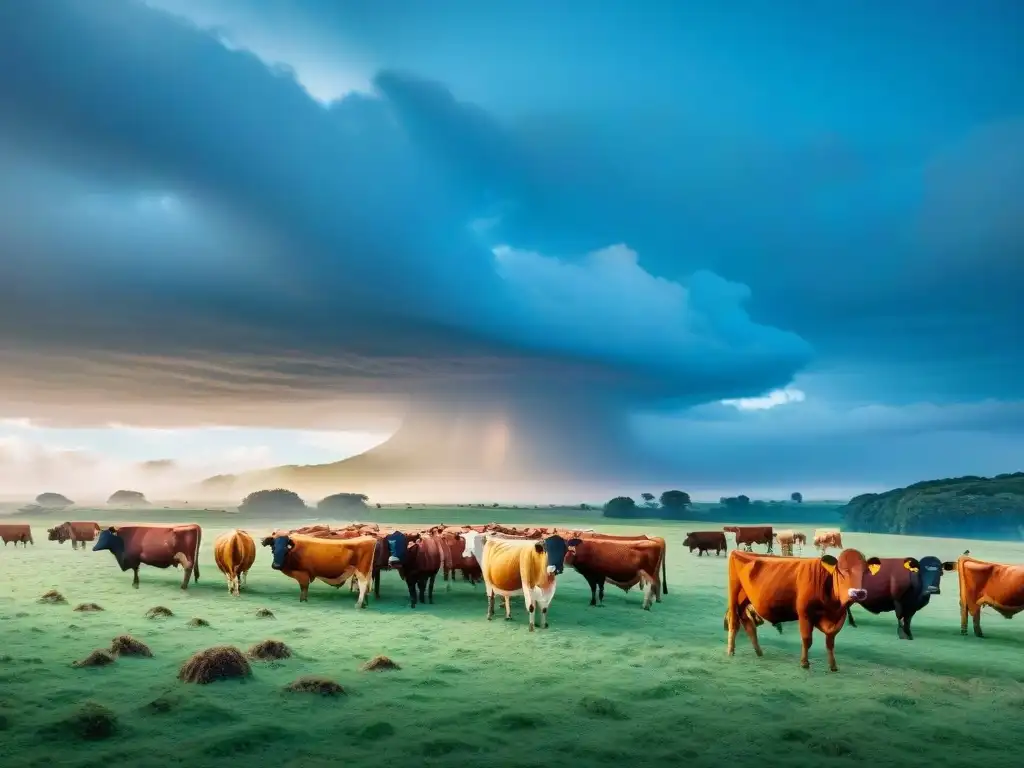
690, 541
111, 540
929, 572
54, 534
470, 539
398, 546
556, 548
280, 546
848, 573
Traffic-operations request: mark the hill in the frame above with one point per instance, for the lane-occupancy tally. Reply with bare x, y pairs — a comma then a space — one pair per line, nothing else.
972, 507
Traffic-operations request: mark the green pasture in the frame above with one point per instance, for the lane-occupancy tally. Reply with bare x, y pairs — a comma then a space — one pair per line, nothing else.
601, 686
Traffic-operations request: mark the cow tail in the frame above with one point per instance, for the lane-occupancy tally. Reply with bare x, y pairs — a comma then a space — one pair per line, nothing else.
664, 572
195, 559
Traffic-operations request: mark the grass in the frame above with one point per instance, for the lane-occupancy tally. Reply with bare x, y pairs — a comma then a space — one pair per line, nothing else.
601, 686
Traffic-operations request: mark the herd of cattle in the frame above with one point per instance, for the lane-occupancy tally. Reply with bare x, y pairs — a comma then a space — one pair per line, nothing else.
817, 592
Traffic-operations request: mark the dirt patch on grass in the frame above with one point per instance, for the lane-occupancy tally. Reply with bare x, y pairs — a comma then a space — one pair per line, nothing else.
265, 613
126, 645
98, 658
53, 597
379, 664
315, 684
91, 722
222, 662
269, 650
159, 612
197, 623
88, 607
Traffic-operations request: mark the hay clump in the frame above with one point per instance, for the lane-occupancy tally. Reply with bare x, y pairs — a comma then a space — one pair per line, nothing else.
88, 607
380, 663
53, 597
197, 622
98, 658
269, 650
159, 612
265, 613
126, 645
90, 722
221, 662
315, 684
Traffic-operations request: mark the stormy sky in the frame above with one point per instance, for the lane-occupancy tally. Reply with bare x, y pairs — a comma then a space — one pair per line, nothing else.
749, 248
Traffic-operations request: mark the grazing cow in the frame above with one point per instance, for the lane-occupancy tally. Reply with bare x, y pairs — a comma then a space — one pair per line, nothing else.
815, 592
78, 532
705, 541
748, 535
1000, 587
417, 558
333, 561
786, 540
826, 538
16, 532
234, 552
903, 585
530, 566
161, 546
458, 561
620, 562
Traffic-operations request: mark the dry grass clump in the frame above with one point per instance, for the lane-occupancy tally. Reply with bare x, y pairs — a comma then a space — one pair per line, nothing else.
159, 612
378, 663
98, 658
197, 622
87, 607
53, 597
315, 684
221, 662
91, 722
126, 645
269, 650
265, 613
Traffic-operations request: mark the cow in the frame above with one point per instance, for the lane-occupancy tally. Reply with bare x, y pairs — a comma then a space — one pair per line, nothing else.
627, 585
826, 538
749, 535
620, 562
705, 541
1000, 587
417, 558
234, 553
530, 566
16, 532
161, 546
813, 591
786, 540
458, 561
77, 532
333, 561
903, 585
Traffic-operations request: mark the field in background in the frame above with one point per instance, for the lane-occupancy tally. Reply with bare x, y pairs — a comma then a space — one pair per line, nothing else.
601, 685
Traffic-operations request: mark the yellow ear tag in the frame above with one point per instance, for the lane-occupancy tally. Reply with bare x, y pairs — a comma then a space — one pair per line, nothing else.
909, 567
874, 569
829, 567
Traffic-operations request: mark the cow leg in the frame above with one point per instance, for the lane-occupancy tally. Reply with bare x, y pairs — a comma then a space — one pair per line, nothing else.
830, 648
849, 616
135, 579
898, 609
186, 565
976, 621
410, 582
600, 593
364, 588
376, 582
906, 625
430, 589
303, 578
531, 605
508, 607
806, 638
490, 601
593, 581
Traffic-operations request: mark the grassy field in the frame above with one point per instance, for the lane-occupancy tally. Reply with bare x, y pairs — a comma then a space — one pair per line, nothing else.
602, 686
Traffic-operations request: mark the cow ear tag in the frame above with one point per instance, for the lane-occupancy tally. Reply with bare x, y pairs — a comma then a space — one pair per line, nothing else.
909, 565
874, 569
829, 563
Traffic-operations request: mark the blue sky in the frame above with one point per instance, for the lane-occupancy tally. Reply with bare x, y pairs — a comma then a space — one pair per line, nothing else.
748, 248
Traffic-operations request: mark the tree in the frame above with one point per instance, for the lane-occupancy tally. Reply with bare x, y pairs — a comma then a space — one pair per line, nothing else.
343, 502
128, 498
620, 506
584, 507
797, 497
735, 501
53, 500
648, 499
274, 500
675, 501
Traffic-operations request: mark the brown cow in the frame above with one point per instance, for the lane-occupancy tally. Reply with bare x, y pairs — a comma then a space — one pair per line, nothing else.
417, 558
903, 585
234, 553
705, 541
1000, 587
627, 585
458, 561
787, 539
16, 532
333, 561
826, 538
816, 592
748, 535
161, 546
620, 562
76, 532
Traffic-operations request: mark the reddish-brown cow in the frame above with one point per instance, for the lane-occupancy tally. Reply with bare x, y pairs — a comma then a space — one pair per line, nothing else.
705, 541
458, 561
629, 562
1000, 587
748, 535
417, 558
16, 532
161, 546
77, 532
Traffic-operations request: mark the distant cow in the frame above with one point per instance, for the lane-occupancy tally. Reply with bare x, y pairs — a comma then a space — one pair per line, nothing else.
748, 535
787, 539
417, 558
529, 566
234, 552
815, 592
160, 546
16, 532
77, 532
827, 538
705, 541
1000, 587
458, 561
333, 561
903, 585
630, 562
